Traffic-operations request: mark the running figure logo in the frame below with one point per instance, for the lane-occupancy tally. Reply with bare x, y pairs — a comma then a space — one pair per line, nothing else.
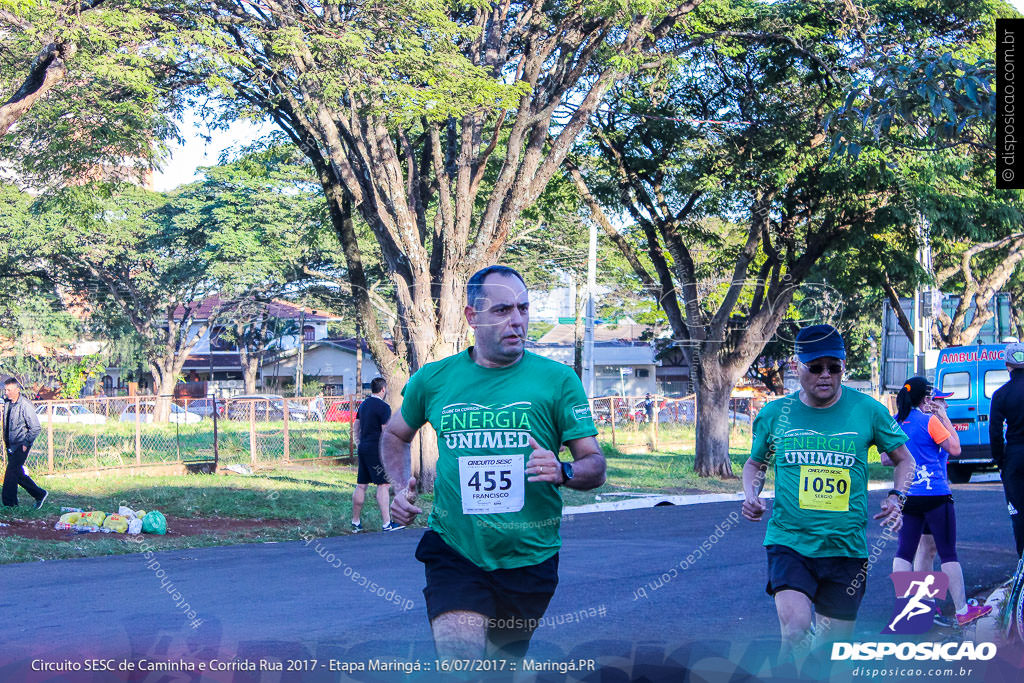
917, 596
923, 477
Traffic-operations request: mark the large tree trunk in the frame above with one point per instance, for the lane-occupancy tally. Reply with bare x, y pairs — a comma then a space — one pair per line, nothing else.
713, 390
250, 367
164, 378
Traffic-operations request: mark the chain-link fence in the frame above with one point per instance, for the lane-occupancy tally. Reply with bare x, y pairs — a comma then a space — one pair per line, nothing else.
134, 431
151, 430
615, 416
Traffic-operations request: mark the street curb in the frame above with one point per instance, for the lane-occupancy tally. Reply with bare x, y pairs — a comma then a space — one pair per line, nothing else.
988, 628
650, 500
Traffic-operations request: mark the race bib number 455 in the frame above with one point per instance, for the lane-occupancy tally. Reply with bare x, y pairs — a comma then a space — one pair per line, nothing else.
824, 488
492, 484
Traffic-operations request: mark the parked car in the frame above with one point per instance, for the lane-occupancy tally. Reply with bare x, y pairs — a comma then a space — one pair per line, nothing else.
178, 415
70, 413
268, 407
972, 373
341, 412
202, 406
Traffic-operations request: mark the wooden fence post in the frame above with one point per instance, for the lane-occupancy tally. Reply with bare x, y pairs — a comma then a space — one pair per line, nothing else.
138, 432
320, 430
49, 437
252, 432
284, 406
611, 410
351, 420
657, 416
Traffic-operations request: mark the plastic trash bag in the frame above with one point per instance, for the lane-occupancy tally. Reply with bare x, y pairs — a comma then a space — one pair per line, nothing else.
70, 518
118, 523
154, 523
93, 518
134, 526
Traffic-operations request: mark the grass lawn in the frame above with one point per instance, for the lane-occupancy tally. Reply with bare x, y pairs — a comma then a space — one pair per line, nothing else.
633, 468
113, 444
275, 505
287, 502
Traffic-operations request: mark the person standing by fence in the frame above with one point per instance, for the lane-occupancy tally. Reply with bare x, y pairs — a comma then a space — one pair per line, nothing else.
373, 414
21, 427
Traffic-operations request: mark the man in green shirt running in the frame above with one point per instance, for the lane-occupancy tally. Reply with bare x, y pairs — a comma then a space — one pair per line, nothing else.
501, 414
816, 539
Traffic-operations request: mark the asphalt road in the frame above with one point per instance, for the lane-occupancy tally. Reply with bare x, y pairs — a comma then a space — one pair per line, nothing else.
618, 602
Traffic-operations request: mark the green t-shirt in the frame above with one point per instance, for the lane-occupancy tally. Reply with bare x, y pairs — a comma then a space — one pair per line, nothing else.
483, 505
821, 470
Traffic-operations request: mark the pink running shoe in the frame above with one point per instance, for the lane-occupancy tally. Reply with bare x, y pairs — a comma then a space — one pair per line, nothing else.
973, 612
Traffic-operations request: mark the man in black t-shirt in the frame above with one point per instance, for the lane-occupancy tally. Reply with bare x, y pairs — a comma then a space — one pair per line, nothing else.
1008, 407
371, 417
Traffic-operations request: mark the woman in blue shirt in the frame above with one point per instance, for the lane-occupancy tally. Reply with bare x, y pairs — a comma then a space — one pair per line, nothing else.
929, 504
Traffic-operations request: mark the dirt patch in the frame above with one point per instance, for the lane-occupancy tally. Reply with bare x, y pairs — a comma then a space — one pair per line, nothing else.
177, 527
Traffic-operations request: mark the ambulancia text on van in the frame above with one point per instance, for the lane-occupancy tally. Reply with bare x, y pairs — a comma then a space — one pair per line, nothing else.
972, 374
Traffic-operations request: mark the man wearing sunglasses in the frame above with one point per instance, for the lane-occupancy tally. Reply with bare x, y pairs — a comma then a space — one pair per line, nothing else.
816, 540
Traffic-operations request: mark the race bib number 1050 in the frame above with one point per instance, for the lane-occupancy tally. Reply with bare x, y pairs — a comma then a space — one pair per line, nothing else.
492, 484
824, 488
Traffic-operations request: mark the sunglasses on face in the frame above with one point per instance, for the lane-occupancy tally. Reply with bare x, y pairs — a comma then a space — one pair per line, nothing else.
818, 368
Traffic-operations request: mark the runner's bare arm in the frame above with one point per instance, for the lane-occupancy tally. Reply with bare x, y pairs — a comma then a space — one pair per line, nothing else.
588, 467
903, 462
952, 444
394, 453
753, 481
903, 473
394, 449
588, 464
355, 432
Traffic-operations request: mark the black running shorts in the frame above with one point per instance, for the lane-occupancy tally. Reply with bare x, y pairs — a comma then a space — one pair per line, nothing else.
834, 584
371, 470
511, 601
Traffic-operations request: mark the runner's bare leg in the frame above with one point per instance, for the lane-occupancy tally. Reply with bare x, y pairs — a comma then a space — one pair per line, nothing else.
460, 634
384, 503
795, 611
358, 497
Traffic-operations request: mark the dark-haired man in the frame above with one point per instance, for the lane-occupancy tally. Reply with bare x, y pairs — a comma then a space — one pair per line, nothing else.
21, 427
501, 414
373, 414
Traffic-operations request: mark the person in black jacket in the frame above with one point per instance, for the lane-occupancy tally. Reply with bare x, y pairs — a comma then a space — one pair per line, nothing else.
1008, 407
21, 427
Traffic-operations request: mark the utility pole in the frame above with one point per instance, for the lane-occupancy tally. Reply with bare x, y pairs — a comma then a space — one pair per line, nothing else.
925, 298
359, 360
588, 331
302, 347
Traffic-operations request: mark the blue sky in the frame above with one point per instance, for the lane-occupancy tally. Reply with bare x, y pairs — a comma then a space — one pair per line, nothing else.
187, 158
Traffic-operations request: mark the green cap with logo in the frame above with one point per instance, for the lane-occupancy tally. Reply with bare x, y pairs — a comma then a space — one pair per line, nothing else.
1015, 354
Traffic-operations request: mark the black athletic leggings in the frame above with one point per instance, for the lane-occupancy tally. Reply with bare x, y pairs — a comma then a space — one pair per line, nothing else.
1013, 484
938, 514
